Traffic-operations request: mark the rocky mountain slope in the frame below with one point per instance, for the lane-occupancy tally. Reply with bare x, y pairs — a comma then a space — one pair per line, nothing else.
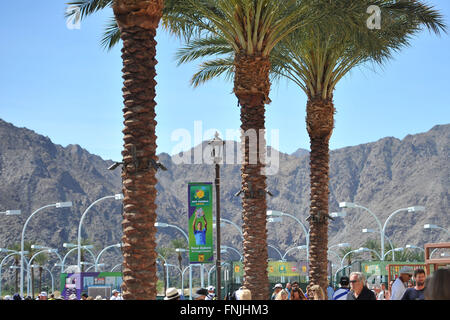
384, 176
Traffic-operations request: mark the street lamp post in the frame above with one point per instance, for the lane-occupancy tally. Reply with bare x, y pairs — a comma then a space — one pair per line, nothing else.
433, 226
410, 246
393, 250
30, 265
234, 249
74, 247
166, 225
216, 154
389, 240
382, 229
12, 253
116, 197
273, 213
117, 245
22, 243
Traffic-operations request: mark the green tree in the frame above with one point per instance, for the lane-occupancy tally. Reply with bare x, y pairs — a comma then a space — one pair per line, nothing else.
316, 58
248, 31
135, 22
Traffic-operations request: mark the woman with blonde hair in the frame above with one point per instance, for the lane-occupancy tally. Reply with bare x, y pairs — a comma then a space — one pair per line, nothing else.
316, 293
282, 295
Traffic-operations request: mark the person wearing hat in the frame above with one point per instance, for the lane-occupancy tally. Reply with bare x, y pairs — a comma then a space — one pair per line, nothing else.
211, 293
200, 294
172, 294
399, 285
341, 293
417, 292
115, 295
278, 287
84, 296
43, 295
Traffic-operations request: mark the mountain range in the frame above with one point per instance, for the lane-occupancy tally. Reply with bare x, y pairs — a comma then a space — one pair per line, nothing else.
383, 176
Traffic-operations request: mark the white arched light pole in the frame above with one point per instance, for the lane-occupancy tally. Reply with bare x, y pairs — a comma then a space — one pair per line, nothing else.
273, 213
22, 242
117, 245
115, 197
360, 250
291, 249
13, 253
167, 265
393, 250
222, 247
277, 250
339, 245
116, 266
433, 226
166, 225
30, 265
55, 251
75, 247
389, 240
410, 246
381, 228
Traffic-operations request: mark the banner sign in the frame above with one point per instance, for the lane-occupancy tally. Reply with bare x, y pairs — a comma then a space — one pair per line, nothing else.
79, 283
200, 222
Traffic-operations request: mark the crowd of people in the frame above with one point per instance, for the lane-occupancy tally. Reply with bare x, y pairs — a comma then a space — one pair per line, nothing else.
435, 287
355, 287
115, 295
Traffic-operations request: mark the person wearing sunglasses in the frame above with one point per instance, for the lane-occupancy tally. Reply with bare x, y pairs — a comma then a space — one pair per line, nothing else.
399, 285
358, 288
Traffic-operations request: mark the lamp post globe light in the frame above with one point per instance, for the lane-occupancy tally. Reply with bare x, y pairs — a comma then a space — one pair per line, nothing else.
11, 212
118, 196
382, 229
56, 205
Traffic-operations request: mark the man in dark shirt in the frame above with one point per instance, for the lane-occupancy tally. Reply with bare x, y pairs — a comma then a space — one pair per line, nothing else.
417, 292
358, 288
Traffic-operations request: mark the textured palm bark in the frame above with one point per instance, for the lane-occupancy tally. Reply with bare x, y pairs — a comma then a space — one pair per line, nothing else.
138, 21
252, 88
320, 122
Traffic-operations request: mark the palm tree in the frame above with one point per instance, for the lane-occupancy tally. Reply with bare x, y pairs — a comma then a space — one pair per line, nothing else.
316, 59
247, 30
40, 260
16, 247
135, 23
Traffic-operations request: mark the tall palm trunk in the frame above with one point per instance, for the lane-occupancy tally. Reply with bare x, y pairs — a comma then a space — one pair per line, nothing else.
252, 88
319, 123
138, 21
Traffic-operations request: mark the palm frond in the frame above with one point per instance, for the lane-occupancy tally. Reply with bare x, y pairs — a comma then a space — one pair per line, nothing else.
212, 69
111, 36
87, 7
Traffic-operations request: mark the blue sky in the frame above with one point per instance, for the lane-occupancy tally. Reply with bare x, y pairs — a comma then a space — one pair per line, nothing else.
62, 84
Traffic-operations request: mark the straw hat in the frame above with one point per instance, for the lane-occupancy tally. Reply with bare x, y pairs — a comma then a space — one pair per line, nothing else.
172, 294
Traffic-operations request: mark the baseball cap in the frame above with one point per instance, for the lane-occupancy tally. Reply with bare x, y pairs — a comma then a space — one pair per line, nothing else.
278, 285
344, 281
211, 288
